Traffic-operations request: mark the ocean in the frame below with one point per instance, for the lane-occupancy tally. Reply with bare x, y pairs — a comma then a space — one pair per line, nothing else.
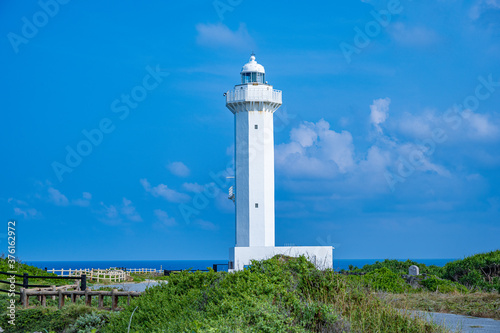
338, 264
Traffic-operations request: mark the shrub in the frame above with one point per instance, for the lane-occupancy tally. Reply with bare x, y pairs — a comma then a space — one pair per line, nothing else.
399, 267
433, 283
384, 279
281, 294
89, 323
480, 271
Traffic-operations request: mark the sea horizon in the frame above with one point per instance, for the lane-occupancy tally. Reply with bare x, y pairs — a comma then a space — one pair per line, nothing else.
179, 264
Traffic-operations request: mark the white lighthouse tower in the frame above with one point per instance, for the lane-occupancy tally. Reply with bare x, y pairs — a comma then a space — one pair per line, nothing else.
253, 103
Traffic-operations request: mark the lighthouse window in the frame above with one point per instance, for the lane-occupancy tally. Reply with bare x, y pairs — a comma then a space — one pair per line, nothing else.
256, 205
252, 77
245, 78
260, 77
256, 126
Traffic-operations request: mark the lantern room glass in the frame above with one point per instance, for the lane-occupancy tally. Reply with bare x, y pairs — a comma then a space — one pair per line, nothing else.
252, 77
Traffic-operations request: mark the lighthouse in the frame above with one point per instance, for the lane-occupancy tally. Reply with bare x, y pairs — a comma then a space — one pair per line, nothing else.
253, 103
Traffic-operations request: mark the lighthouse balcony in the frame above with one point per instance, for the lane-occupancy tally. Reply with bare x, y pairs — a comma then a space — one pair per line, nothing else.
254, 94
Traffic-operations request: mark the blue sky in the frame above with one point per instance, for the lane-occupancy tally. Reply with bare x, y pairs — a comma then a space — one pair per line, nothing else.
387, 143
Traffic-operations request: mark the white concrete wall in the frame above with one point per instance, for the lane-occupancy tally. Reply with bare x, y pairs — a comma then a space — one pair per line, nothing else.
320, 256
254, 157
242, 179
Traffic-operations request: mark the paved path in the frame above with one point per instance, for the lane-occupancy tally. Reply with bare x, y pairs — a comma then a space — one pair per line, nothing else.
464, 324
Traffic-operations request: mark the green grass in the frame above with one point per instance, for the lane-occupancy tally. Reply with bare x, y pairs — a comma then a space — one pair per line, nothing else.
283, 294
277, 295
50, 319
480, 304
398, 267
480, 271
21, 268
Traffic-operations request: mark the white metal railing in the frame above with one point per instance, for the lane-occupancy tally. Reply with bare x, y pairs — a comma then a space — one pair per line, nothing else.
143, 270
254, 94
93, 274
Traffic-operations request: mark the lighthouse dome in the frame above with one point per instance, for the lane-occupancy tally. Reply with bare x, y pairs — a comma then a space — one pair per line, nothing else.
252, 72
253, 66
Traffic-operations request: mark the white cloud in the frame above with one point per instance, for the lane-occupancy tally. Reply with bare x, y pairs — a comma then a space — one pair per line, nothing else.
179, 169
22, 208
416, 126
13, 201
57, 197
110, 214
115, 214
193, 187
84, 201
164, 219
163, 191
129, 211
316, 151
379, 112
219, 35
206, 225
482, 6
304, 134
413, 36
28, 213
482, 127
457, 125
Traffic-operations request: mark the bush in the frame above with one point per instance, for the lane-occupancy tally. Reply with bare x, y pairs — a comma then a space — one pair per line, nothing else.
480, 271
433, 283
384, 279
399, 267
41, 319
89, 323
281, 294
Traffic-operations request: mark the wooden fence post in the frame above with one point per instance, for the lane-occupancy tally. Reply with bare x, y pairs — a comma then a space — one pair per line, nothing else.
114, 299
25, 280
83, 284
61, 299
100, 304
23, 297
88, 297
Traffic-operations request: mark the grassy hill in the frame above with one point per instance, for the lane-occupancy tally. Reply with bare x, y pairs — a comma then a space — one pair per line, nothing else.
21, 268
286, 294
281, 294
478, 272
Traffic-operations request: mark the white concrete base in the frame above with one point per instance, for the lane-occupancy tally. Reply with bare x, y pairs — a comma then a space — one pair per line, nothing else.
320, 256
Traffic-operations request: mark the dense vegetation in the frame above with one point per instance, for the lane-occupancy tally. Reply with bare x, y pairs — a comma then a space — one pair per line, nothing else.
277, 295
21, 268
480, 272
398, 267
284, 294
71, 318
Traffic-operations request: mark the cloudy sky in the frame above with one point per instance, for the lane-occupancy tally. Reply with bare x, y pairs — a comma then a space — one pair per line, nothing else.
116, 141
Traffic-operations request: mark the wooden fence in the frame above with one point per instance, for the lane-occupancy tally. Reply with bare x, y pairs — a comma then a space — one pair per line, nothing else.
73, 294
26, 277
